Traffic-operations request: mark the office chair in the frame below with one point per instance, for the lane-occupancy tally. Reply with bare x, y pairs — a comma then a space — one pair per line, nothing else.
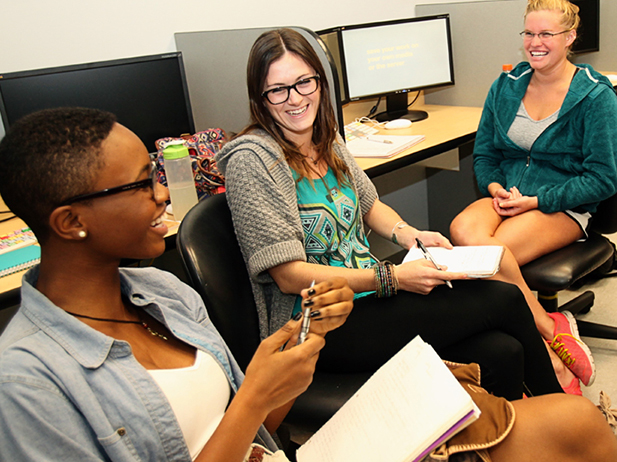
207, 244
574, 263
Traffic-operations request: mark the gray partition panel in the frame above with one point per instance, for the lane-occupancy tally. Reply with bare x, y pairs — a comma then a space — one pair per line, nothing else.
484, 37
215, 64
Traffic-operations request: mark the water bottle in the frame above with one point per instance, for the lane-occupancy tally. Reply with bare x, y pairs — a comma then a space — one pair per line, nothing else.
506, 68
180, 179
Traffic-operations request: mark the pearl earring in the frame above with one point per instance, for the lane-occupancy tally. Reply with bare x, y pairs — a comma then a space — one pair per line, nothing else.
82, 234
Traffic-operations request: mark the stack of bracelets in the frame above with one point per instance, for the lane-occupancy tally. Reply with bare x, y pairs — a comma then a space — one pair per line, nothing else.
386, 283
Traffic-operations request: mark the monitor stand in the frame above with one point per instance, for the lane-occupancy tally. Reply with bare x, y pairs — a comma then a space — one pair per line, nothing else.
396, 108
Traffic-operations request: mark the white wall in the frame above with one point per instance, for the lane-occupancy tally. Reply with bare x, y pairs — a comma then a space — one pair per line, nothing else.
36, 34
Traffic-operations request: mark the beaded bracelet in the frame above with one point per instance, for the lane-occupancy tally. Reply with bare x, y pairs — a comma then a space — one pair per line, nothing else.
386, 283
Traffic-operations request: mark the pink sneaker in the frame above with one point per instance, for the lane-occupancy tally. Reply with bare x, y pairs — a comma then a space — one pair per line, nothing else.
574, 388
571, 349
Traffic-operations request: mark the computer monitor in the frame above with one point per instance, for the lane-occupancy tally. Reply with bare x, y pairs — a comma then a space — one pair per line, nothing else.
588, 39
148, 94
392, 58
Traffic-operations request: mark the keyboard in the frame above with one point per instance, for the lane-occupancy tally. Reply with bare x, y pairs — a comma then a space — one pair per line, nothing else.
16, 239
356, 129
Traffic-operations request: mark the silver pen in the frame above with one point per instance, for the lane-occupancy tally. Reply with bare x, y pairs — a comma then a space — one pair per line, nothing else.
430, 258
378, 141
306, 322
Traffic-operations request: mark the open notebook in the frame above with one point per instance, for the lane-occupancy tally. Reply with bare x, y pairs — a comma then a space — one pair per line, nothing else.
382, 145
479, 261
410, 406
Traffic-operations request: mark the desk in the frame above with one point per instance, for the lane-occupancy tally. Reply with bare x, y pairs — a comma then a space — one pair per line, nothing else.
446, 128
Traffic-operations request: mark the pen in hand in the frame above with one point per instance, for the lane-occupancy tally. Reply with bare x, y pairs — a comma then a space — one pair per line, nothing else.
306, 322
430, 258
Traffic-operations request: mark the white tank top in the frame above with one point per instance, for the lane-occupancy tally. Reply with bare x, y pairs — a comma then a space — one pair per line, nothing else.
198, 395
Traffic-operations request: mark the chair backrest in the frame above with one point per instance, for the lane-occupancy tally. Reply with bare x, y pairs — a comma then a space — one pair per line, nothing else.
605, 218
207, 244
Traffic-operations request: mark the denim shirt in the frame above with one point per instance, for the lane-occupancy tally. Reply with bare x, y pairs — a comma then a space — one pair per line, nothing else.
69, 392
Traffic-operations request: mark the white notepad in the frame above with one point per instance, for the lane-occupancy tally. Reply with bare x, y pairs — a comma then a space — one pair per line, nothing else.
374, 145
411, 405
479, 261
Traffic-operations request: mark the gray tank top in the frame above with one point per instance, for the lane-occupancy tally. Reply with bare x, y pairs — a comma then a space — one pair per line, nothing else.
524, 130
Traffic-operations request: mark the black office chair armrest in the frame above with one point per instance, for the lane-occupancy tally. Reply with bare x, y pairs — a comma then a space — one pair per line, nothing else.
560, 269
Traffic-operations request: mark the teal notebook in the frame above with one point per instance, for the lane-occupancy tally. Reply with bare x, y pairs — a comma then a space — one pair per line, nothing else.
19, 259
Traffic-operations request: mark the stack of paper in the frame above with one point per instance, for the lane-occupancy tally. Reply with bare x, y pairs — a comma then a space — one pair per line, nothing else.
410, 406
382, 145
479, 261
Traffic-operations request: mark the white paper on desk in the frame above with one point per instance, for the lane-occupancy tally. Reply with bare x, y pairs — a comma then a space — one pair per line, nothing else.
398, 415
478, 261
364, 147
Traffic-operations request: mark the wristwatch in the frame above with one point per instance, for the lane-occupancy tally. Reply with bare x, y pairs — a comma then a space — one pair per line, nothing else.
399, 225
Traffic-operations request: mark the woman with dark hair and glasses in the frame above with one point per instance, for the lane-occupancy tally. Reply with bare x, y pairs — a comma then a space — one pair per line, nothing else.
545, 156
300, 203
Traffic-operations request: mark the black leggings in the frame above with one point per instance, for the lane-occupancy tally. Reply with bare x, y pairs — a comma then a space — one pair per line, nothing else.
486, 322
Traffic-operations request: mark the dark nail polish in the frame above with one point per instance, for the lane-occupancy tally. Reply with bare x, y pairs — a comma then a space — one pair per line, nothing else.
311, 292
297, 316
315, 313
308, 302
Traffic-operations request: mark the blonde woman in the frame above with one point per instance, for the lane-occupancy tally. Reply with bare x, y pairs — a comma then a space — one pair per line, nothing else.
544, 157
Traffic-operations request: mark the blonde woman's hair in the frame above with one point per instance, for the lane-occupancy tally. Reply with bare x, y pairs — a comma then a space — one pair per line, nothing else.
569, 12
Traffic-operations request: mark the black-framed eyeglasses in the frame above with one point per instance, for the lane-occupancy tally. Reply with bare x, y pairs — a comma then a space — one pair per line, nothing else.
149, 182
303, 87
543, 36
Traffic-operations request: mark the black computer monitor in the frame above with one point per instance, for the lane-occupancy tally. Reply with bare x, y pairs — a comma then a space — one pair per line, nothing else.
588, 39
148, 94
392, 58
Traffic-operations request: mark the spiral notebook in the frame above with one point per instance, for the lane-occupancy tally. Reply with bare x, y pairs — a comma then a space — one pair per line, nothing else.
19, 259
382, 146
410, 406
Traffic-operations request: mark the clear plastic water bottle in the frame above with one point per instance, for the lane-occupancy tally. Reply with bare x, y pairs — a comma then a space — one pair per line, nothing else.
180, 179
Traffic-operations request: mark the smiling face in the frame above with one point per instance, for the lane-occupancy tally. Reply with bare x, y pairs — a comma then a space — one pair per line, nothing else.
550, 53
297, 115
127, 224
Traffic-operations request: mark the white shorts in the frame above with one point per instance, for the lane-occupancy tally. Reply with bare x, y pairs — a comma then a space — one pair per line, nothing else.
582, 219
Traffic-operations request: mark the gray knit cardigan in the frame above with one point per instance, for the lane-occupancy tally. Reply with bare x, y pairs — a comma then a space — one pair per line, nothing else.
261, 194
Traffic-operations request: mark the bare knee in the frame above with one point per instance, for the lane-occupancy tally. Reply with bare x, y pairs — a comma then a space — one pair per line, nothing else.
595, 435
584, 429
558, 427
464, 230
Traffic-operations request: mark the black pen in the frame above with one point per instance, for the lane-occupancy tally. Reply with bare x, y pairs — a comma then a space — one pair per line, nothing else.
430, 258
306, 322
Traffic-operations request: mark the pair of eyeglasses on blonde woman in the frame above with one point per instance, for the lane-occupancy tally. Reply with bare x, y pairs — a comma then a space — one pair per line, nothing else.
543, 36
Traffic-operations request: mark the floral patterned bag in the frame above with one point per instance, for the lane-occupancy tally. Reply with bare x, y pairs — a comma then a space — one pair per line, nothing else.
202, 147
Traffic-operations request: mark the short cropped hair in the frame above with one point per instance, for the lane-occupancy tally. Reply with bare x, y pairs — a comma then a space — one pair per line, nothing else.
47, 157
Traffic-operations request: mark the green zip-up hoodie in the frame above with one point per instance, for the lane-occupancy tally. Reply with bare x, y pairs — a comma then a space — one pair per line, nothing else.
572, 164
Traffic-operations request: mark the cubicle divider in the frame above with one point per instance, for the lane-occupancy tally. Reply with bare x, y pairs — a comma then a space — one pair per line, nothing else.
484, 37
215, 65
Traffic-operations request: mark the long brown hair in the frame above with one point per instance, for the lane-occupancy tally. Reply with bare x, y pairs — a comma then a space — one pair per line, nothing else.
269, 47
